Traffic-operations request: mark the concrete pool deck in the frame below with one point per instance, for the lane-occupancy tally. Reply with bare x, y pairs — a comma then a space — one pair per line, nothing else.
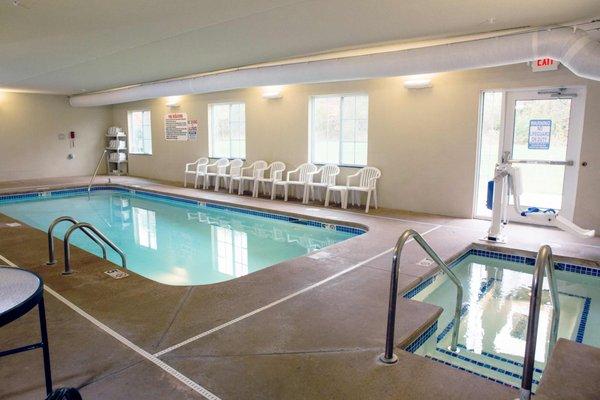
310, 327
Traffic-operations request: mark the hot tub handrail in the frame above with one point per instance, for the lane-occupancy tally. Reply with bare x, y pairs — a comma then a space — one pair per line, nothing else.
388, 357
100, 235
543, 263
51, 252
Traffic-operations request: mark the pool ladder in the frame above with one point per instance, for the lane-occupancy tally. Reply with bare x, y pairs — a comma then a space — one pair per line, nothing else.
388, 357
90, 231
543, 263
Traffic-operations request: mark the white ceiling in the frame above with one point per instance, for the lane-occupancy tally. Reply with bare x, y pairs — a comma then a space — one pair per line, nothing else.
74, 46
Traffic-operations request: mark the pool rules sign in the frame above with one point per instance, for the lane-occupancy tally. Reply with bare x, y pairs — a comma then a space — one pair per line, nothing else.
176, 126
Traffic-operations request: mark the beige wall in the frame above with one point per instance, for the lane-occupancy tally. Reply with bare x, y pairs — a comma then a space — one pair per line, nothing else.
424, 141
29, 129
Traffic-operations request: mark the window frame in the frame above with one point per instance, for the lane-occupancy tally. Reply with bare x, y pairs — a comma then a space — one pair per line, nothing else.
210, 129
311, 110
130, 130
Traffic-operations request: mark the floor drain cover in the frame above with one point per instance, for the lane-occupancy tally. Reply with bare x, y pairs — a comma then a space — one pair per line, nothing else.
116, 273
426, 262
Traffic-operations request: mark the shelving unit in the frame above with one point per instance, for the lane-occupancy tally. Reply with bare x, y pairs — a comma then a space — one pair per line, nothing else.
117, 157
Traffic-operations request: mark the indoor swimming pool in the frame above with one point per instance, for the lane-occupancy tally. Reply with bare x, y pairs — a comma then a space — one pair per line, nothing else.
176, 241
494, 316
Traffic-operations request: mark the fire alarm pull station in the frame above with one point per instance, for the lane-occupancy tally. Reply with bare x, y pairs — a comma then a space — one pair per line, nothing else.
72, 138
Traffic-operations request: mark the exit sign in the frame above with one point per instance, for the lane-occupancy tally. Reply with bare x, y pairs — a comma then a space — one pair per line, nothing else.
544, 64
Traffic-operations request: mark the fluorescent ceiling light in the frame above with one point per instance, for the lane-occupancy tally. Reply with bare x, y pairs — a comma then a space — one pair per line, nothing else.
417, 83
173, 101
272, 92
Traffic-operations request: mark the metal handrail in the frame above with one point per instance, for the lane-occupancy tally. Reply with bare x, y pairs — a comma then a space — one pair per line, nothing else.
95, 173
89, 226
388, 357
51, 252
543, 262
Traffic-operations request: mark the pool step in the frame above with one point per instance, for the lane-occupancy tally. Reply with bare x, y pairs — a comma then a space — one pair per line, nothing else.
494, 367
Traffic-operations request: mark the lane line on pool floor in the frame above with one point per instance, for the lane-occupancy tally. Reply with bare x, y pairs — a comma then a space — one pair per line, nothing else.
128, 343
281, 300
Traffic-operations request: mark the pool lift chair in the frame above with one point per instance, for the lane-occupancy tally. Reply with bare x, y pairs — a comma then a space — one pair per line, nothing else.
507, 182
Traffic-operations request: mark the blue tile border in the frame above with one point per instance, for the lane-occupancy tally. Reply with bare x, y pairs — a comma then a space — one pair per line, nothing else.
419, 341
471, 372
583, 320
481, 364
502, 359
417, 289
13, 198
572, 268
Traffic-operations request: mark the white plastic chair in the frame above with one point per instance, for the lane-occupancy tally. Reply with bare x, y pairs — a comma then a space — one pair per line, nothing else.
235, 167
302, 175
271, 174
247, 174
364, 181
213, 170
192, 169
321, 178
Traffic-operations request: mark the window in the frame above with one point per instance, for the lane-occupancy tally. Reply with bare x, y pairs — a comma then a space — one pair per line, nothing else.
338, 129
227, 130
490, 126
140, 132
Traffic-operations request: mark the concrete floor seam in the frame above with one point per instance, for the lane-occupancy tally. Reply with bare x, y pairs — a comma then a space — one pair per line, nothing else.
278, 353
175, 315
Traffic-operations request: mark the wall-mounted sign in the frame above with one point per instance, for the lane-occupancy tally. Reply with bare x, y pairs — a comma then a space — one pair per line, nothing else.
544, 64
192, 129
539, 134
176, 126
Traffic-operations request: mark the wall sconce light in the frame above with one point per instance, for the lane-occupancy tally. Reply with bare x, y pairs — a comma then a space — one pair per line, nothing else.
417, 82
173, 101
272, 92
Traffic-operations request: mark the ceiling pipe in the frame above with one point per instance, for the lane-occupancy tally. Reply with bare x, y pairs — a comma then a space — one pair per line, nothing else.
573, 48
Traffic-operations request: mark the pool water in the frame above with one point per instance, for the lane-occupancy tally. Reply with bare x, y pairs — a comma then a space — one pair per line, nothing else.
173, 242
494, 318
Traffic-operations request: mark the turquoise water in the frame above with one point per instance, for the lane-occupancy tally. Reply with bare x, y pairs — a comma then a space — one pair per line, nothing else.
176, 243
494, 323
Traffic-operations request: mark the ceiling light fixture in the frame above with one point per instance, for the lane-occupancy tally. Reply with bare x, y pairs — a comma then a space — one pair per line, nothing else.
173, 101
272, 92
417, 82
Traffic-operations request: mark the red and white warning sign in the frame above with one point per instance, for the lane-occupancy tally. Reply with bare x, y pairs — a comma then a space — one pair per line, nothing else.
544, 64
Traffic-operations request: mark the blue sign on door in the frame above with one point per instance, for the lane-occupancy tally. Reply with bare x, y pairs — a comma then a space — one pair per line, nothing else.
539, 134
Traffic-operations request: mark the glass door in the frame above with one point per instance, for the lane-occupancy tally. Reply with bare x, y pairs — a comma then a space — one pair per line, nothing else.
542, 132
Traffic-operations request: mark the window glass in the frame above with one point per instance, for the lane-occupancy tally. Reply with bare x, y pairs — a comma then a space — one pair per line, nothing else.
489, 147
227, 130
339, 129
140, 132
